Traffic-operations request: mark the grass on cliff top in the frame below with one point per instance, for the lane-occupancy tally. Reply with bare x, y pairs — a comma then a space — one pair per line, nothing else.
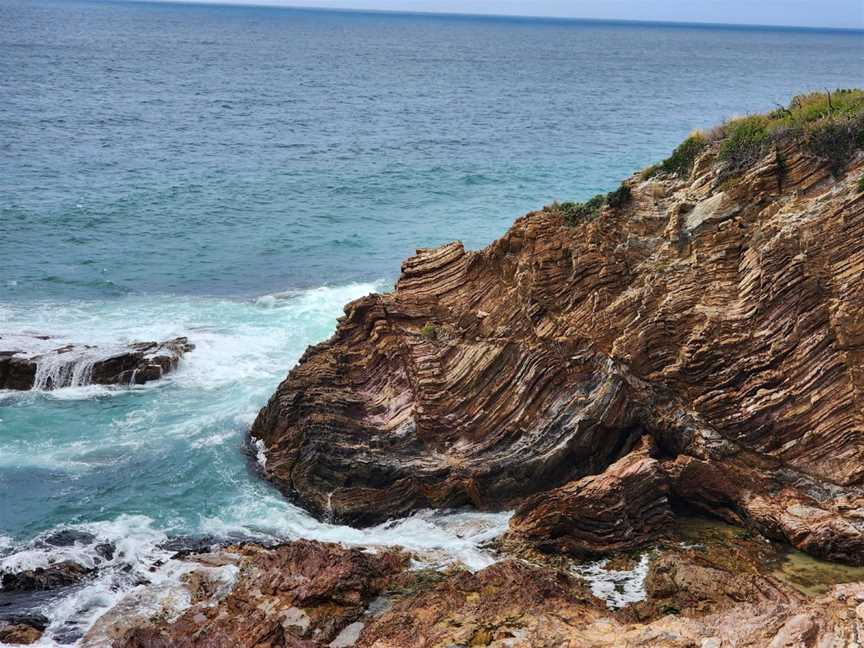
830, 125
576, 212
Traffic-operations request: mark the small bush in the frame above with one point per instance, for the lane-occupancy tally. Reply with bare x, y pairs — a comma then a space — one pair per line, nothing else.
429, 331
830, 125
684, 156
574, 212
620, 197
835, 140
746, 141
861, 184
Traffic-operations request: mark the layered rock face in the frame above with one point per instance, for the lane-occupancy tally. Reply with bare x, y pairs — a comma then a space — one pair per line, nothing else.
77, 365
721, 315
624, 508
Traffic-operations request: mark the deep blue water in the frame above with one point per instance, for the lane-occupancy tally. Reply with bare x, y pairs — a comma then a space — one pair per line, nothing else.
237, 174
233, 151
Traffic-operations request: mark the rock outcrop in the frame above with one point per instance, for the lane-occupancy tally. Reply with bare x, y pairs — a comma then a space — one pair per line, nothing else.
55, 576
625, 507
718, 312
302, 594
314, 595
76, 365
19, 634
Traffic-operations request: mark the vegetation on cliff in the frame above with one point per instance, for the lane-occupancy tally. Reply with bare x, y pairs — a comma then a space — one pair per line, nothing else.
828, 125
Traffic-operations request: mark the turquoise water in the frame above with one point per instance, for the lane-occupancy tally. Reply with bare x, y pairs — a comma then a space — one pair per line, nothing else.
236, 175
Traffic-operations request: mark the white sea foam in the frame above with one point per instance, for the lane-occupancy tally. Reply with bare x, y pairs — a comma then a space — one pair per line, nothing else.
260, 455
438, 538
618, 587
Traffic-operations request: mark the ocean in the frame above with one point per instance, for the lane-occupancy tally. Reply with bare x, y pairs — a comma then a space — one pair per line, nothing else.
237, 174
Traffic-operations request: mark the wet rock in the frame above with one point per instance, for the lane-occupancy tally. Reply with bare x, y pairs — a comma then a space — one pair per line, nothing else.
185, 545
105, 550
69, 537
16, 371
58, 575
75, 365
19, 633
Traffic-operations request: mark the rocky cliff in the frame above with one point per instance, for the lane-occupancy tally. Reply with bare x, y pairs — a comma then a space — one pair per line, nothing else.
708, 316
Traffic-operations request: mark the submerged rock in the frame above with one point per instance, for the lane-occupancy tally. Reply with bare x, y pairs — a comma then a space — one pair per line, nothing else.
55, 576
77, 365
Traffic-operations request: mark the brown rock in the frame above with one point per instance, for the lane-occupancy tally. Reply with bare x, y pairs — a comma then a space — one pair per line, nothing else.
509, 603
300, 594
19, 634
623, 508
718, 316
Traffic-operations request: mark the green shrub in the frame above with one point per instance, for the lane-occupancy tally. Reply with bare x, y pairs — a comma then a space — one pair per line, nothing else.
830, 125
620, 197
835, 140
684, 156
861, 184
577, 212
746, 140
574, 212
429, 331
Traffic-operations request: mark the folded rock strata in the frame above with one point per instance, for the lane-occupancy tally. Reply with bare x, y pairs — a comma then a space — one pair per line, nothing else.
719, 314
76, 365
625, 507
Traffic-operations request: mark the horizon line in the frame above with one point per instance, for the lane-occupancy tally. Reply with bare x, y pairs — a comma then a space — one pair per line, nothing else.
264, 4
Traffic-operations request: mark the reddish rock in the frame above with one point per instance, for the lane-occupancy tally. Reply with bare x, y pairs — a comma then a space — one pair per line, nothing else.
302, 594
625, 507
18, 634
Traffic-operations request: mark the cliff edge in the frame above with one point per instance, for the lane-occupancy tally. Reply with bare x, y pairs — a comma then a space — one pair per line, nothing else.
694, 340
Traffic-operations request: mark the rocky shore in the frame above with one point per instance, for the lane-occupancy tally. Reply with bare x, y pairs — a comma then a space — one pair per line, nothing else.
718, 592
665, 383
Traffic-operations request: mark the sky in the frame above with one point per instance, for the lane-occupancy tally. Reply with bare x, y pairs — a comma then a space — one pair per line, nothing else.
806, 13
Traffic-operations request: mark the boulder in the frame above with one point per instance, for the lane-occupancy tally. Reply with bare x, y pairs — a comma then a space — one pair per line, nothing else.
55, 576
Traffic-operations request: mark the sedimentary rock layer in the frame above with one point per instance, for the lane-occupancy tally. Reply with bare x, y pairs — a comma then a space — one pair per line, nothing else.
720, 314
625, 507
